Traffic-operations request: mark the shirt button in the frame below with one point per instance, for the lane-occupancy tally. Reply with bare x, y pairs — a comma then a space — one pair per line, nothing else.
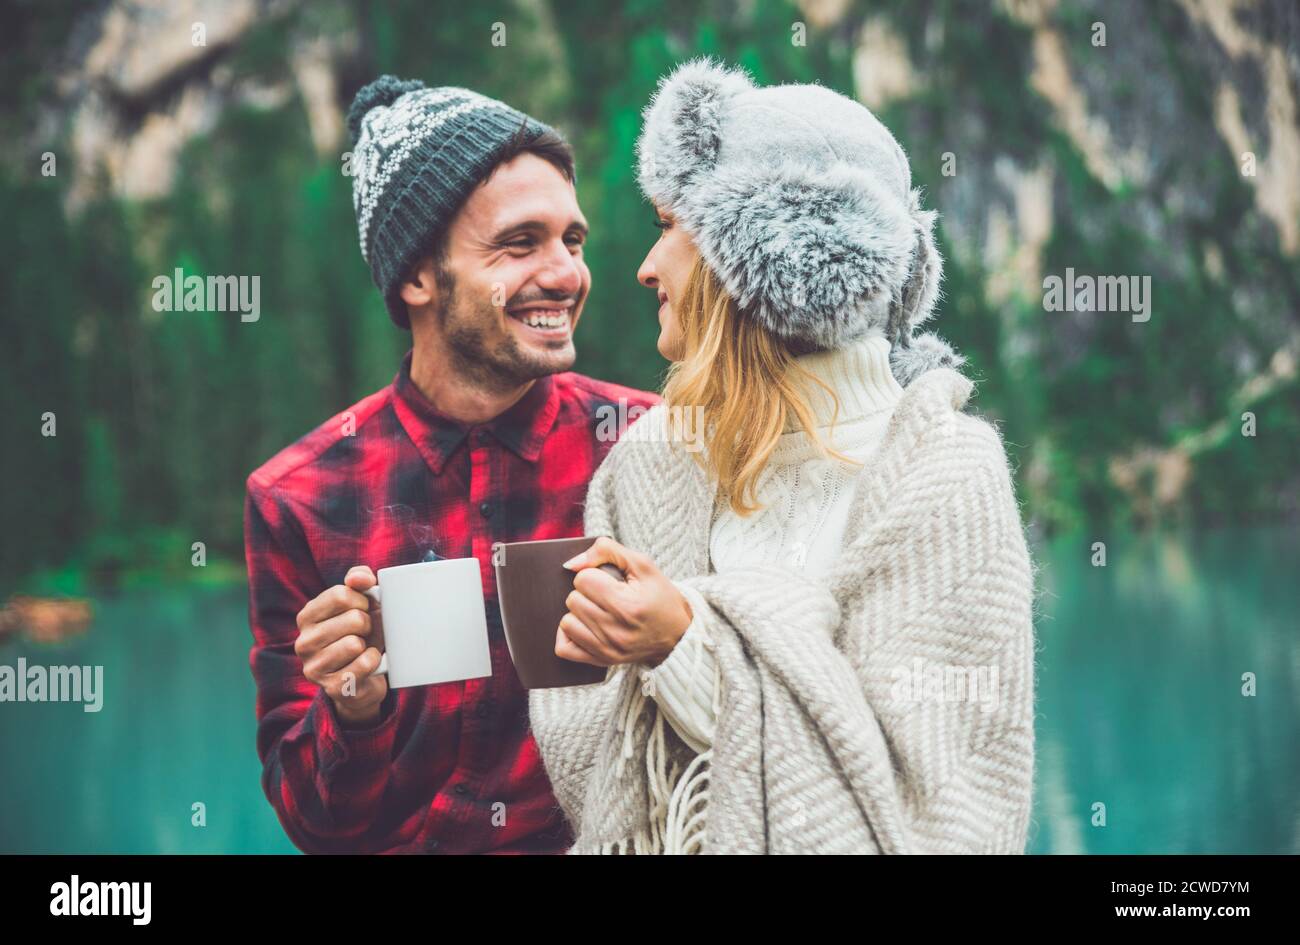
486, 509
461, 789
482, 710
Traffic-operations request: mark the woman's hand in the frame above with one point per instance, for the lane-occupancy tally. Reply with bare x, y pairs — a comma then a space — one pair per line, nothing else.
610, 621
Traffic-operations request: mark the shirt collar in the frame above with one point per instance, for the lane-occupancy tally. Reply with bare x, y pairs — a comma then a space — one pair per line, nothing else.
522, 427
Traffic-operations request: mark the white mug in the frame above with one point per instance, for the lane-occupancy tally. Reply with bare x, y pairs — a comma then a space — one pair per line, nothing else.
434, 622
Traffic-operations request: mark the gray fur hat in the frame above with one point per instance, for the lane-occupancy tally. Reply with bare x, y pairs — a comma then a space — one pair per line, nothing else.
801, 202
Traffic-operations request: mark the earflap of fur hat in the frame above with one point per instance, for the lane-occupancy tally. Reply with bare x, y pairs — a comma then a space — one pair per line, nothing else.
912, 354
807, 254
921, 292
924, 352
682, 127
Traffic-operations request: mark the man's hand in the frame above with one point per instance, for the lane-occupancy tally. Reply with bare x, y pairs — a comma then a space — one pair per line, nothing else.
338, 642
610, 621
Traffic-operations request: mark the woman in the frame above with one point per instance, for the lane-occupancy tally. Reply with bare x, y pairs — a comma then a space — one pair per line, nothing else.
824, 643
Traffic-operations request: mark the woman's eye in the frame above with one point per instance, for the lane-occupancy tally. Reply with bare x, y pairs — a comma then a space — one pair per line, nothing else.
662, 223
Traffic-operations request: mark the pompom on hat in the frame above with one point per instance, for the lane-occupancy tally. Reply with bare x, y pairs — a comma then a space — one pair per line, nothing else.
801, 202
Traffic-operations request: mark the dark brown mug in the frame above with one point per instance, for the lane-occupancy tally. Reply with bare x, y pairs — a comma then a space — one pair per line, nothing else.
532, 586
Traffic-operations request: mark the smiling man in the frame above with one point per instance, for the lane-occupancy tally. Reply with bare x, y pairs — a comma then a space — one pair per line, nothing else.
470, 224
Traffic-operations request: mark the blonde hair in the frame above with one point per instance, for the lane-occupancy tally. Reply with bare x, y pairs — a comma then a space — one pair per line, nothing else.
745, 380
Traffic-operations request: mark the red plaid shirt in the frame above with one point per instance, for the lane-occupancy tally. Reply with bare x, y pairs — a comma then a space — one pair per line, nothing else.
451, 768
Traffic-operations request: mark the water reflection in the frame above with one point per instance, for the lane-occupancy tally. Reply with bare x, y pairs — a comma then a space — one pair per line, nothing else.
1140, 695
1140, 709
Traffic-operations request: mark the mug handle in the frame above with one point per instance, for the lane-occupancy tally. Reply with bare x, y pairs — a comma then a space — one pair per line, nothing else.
382, 669
613, 571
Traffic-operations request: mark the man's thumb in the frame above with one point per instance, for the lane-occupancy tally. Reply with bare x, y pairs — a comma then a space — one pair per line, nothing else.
360, 578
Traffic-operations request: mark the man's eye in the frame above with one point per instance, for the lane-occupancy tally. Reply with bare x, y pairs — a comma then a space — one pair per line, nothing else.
520, 244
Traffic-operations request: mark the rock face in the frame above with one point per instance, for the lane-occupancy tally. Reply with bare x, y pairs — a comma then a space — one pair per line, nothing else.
150, 76
1120, 139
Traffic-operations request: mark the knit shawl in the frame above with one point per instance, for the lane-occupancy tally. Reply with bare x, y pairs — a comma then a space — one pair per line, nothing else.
886, 707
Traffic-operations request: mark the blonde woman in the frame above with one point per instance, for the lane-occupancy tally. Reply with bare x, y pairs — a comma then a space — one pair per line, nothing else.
824, 643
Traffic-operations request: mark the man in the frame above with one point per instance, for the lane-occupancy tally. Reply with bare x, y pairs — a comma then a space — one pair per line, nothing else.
470, 224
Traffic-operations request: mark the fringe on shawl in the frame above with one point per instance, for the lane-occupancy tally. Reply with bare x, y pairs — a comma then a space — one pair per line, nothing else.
676, 826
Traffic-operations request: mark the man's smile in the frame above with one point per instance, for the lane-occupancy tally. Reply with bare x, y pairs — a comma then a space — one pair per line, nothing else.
546, 319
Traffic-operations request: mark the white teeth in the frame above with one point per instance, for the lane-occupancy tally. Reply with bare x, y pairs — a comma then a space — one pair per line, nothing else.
545, 321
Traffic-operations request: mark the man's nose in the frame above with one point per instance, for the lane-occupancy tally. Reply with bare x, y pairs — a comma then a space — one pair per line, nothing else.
561, 273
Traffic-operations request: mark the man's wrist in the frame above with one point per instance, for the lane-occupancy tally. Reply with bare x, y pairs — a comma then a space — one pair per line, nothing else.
353, 718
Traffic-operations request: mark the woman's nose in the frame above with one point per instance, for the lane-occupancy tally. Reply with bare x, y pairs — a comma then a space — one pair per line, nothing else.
646, 274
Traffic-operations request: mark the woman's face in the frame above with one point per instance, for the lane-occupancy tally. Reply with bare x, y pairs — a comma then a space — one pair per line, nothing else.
666, 269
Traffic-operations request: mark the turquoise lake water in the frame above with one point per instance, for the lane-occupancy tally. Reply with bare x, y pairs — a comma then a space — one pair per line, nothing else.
1140, 709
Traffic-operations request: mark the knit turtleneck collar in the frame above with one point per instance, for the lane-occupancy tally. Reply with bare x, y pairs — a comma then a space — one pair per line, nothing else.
859, 373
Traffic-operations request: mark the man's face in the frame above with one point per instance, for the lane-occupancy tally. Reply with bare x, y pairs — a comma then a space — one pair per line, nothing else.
513, 284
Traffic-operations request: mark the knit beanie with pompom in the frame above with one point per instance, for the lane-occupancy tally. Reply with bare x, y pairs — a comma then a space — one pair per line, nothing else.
417, 154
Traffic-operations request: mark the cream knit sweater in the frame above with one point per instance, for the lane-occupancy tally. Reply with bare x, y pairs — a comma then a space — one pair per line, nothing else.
885, 706
805, 497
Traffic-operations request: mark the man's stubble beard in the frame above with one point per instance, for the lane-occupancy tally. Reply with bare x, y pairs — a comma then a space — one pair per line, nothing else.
467, 327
